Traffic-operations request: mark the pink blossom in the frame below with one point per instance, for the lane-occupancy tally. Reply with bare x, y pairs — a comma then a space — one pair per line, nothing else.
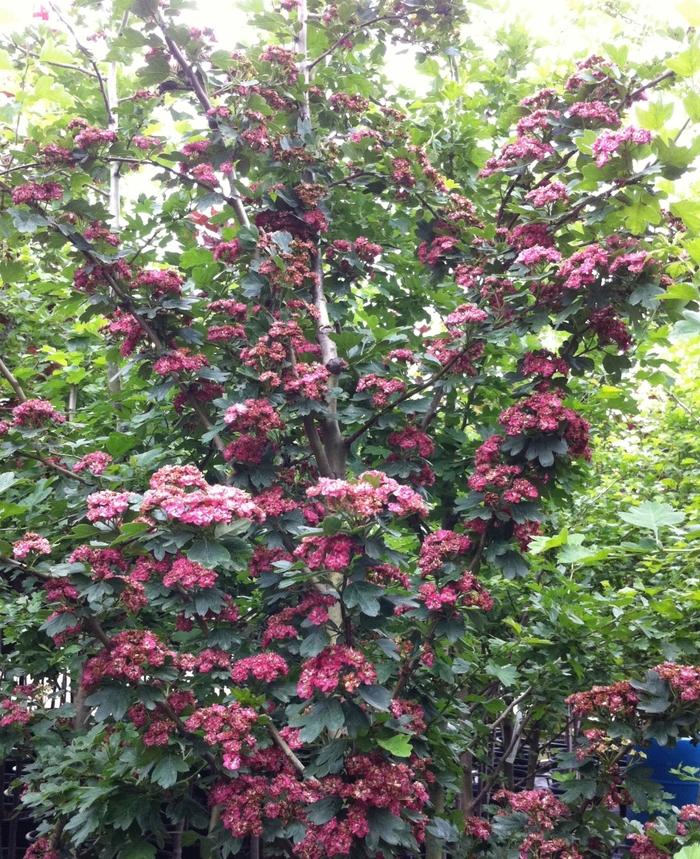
547, 194
466, 314
334, 666
371, 494
94, 462
536, 255
36, 192
266, 667
36, 413
229, 727
607, 144
189, 575
179, 361
595, 112
92, 136
107, 505
31, 543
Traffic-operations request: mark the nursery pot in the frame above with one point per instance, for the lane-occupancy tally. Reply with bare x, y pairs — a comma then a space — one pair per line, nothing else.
661, 760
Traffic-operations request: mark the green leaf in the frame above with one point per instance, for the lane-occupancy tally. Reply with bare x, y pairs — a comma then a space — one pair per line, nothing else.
687, 63
109, 701
365, 596
138, 850
165, 772
377, 696
399, 745
209, 553
7, 478
652, 515
692, 851
689, 212
507, 674
118, 443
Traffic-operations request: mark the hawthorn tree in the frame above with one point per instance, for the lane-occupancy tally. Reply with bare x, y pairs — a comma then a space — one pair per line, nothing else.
269, 499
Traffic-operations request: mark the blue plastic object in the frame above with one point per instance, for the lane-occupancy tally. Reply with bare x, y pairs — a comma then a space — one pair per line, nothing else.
661, 760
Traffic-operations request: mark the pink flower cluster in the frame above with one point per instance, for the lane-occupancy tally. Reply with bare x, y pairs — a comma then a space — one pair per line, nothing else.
525, 149
369, 782
36, 413
607, 144
36, 192
93, 136
227, 252
467, 592
94, 462
31, 543
13, 713
107, 506
328, 553
620, 699
500, 483
312, 609
439, 548
595, 112
266, 667
129, 656
543, 412
159, 281
257, 415
541, 806
362, 247
431, 253
412, 441
229, 727
128, 325
183, 494
372, 494
548, 194
684, 680
88, 277
189, 575
465, 314
382, 388
536, 255
609, 328
478, 827
309, 381
179, 361
543, 363
410, 714
536, 846
337, 665
42, 848
584, 267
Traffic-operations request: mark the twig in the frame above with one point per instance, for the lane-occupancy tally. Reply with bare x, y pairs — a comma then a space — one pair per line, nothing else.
284, 746
416, 389
83, 50
10, 378
196, 84
380, 18
652, 83
513, 704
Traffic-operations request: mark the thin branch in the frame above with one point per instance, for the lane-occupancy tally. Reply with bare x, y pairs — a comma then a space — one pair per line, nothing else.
10, 378
379, 19
509, 709
416, 389
284, 746
196, 84
84, 51
652, 83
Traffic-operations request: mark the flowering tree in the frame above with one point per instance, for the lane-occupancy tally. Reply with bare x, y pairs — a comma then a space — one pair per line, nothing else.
270, 498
